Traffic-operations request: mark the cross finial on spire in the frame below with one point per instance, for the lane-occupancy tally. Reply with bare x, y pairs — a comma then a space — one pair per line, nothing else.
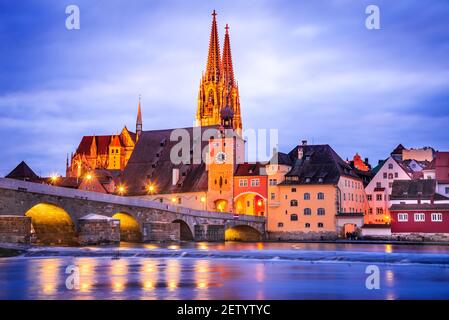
227, 28
214, 14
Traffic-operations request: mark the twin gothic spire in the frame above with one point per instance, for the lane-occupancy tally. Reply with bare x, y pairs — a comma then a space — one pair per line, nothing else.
218, 88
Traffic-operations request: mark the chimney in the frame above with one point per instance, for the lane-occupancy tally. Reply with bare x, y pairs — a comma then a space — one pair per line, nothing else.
304, 142
175, 176
300, 153
366, 160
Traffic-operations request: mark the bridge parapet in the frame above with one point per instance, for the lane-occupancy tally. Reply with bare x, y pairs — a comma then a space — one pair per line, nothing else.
44, 189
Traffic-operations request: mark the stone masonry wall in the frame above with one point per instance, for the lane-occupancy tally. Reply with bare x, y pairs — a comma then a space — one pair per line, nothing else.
161, 232
15, 229
93, 232
302, 236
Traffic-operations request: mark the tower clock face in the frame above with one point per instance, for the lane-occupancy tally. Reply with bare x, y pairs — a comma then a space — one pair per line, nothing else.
220, 157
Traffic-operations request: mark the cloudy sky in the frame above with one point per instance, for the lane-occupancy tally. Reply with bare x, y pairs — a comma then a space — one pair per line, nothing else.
308, 68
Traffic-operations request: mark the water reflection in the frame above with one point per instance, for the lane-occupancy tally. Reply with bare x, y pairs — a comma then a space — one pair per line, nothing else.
149, 274
87, 273
202, 278
48, 275
172, 277
119, 271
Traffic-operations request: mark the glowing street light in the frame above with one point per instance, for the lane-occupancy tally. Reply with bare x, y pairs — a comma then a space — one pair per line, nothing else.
54, 178
151, 189
121, 190
89, 177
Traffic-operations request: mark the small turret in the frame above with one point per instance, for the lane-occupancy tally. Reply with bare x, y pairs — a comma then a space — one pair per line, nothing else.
139, 122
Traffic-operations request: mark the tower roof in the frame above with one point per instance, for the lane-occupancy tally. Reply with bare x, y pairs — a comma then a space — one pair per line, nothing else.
227, 67
22, 172
213, 71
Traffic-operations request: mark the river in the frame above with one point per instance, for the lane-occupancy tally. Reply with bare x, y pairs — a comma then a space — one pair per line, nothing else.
228, 271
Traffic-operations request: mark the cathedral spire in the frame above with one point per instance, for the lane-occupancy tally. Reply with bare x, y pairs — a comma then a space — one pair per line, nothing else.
227, 68
139, 121
213, 70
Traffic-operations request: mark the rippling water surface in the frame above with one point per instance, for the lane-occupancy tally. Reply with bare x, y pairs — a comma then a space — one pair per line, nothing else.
229, 271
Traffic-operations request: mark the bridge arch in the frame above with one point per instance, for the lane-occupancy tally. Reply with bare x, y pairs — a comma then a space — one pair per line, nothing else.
243, 233
130, 230
52, 225
185, 230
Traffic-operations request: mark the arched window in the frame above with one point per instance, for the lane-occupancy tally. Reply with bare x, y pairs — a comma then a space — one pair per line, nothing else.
320, 225
390, 176
320, 196
390, 166
293, 203
306, 196
294, 217
307, 211
321, 211
307, 225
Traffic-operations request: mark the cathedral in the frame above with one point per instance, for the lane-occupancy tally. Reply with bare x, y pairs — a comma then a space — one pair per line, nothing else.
218, 86
109, 152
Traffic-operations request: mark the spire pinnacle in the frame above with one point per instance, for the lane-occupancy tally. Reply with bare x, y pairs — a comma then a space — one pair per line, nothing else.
213, 58
139, 120
227, 67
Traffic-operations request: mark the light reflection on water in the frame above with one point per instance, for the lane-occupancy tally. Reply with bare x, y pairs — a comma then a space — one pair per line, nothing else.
203, 278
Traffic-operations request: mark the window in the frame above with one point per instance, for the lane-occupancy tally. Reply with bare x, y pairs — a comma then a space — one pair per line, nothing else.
437, 217
307, 211
293, 189
379, 211
390, 166
420, 217
273, 182
255, 182
390, 185
369, 197
320, 225
280, 225
243, 183
320, 196
370, 211
307, 225
273, 196
308, 180
378, 197
390, 176
293, 203
306, 196
294, 217
321, 211
344, 196
378, 185
385, 175
446, 190
286, 197
403, 217
396, 175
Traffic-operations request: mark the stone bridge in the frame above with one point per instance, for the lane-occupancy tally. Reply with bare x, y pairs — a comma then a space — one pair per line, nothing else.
54, 209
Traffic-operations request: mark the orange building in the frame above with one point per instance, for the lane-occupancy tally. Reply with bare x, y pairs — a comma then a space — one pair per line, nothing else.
313, 194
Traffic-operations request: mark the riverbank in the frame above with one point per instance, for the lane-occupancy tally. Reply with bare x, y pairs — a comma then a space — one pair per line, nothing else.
6, 253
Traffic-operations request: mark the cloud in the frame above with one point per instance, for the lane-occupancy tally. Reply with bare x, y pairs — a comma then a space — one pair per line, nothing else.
310, 70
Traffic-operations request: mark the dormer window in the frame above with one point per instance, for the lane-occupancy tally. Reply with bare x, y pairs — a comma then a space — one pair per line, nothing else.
308, 180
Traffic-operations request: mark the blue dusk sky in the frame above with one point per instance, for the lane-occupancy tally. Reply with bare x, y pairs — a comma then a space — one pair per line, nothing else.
308, 68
